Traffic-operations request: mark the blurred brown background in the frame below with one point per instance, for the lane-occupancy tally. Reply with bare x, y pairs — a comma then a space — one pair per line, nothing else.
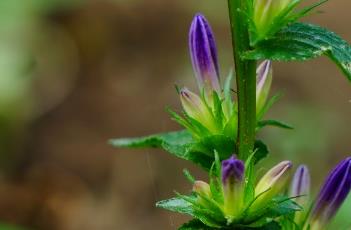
75, 73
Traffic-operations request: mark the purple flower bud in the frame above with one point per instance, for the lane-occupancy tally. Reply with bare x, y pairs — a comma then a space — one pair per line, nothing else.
333, 193
300, 188
233, 186
232, 170
204, 54
264, 82
301, 183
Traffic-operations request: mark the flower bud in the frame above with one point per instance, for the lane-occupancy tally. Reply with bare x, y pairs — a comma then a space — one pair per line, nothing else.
233, 185
264, 82
265, 11
301, 184
196, 108
333, 193
202, 188
300, 188
271, 184
203, 53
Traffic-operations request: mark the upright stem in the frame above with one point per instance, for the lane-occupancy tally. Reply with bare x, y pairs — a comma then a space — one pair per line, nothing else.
245, 78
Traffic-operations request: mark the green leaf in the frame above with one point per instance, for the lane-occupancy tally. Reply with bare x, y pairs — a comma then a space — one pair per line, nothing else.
261, 151
301, 41
177, 205
283, 206
268, 105
154, 141
195, 224
180, 144
188, 175
274, 123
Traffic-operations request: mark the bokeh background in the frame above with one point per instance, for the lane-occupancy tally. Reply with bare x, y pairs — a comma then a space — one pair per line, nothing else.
74, 73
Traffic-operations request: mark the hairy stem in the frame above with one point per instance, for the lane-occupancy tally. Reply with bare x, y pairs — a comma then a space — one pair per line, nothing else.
245, 78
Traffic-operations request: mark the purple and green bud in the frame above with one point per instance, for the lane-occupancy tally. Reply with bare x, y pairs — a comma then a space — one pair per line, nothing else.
203, 53
333, 193
271, 184
263, 86
233, 171
300, 188
266, 11
194, 106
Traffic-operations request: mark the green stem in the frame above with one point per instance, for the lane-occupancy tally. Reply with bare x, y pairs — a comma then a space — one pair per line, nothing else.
245, 78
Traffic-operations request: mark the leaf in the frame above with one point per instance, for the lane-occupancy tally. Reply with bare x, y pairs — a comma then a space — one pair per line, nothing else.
275, 123
177, 205
179, 143
154, 141
188, 176
268, 105
261, 151
301, 41
284, 206
271, 225
195, 224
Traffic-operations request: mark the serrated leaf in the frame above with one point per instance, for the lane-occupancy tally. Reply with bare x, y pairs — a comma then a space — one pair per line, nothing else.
301, 41
179, 144
275, 123
177, 205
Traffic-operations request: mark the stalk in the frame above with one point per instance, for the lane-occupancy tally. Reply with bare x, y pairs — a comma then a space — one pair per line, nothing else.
245, 77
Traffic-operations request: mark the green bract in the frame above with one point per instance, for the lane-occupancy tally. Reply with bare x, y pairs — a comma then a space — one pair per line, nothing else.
209, 206
267, 17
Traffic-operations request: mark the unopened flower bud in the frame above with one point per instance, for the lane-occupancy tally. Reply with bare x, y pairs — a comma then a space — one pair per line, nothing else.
333, 193
264, 82
196, 108
271, 184
233, 185
202, 188
203, 53
265, 11
300, 188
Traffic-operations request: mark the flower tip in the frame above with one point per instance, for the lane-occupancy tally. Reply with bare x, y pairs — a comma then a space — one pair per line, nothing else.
203, 53
202, 188
301, 182
232, 170
336, 188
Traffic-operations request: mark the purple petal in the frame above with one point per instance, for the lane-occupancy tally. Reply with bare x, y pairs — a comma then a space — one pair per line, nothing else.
301, 182
232, 170
262, 73
203, 53
334, 191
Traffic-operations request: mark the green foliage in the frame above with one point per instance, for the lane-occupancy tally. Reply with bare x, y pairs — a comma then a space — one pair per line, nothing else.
301, 41
275, 123
182, 145
179, 144
266, 19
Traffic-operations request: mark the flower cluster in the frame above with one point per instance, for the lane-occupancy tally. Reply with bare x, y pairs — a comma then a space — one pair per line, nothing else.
226, 202
225, 146
213, 111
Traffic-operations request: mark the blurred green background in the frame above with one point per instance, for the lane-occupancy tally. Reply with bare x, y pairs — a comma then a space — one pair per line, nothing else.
74, 73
